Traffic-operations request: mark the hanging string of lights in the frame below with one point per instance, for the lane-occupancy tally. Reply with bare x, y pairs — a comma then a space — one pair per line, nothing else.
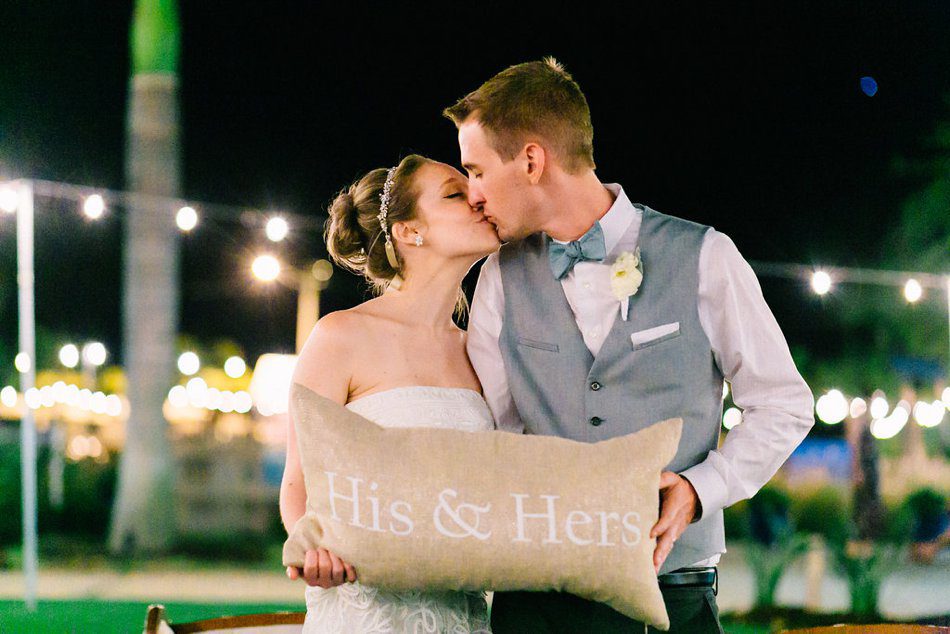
831, 408
95, 202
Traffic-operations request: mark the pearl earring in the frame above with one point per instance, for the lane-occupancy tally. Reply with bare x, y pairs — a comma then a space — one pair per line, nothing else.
418, 240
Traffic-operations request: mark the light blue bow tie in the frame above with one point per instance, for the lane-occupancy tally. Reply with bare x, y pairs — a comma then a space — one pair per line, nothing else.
590, 247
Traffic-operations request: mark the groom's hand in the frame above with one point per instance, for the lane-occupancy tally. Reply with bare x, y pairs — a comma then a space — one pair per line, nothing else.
324, 569
678, 502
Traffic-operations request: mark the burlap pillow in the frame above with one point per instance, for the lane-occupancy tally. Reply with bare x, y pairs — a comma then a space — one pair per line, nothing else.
448, 509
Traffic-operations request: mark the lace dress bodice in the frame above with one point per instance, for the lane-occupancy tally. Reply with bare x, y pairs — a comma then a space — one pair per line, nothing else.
353, 608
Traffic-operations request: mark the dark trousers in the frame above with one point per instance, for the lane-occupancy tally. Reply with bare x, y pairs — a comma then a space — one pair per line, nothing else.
692, 610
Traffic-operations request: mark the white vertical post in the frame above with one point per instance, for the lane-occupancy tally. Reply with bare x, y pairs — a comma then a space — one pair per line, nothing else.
24, 235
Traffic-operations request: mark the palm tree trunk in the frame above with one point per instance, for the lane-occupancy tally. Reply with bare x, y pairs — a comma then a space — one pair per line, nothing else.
143, 516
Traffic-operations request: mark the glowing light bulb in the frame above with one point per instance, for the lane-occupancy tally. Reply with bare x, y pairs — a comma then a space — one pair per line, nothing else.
821, 282
94, 206
832, 407
94, 353
858, 407
186, 218
879, 407
189, 363
235, 367
266, 268
9, 199
913, 291
69, 355
276, 229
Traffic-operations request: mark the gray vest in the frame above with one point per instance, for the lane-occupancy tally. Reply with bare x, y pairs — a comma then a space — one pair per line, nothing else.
560, 389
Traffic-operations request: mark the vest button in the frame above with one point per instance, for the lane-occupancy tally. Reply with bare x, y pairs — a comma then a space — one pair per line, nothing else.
595, 386
596, 421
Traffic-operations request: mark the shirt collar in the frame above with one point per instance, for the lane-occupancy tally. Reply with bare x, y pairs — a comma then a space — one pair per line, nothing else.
616, 221
618, 218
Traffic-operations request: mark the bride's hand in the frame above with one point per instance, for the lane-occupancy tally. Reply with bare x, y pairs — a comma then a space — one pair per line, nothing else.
324, 569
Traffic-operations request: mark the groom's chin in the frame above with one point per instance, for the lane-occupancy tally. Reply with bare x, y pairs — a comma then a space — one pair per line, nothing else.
508, 236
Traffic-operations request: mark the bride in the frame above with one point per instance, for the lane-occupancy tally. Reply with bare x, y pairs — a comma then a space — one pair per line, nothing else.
398, 360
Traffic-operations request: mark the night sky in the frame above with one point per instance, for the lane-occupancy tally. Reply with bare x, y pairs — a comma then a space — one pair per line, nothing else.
745, 116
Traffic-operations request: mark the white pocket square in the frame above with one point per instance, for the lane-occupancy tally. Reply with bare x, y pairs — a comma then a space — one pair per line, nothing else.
645, 336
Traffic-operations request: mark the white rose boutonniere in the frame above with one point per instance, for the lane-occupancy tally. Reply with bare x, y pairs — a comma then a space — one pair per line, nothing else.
626, 274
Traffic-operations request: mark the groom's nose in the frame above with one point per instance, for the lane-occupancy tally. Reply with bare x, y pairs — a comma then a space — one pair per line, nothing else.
475, 196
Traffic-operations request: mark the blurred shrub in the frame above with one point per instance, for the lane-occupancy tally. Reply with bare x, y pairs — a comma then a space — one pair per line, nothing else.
10, 530
928, 510
769, 514
898, 523
88, 490
236, 547
774, 544
824, 511
736, 520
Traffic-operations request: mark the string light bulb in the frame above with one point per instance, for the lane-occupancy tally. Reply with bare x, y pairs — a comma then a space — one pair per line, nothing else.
913, 291
94, 206
276, 229
186, 218
820, 282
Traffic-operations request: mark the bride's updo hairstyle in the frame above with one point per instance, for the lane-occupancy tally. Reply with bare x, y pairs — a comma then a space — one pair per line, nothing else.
354, 235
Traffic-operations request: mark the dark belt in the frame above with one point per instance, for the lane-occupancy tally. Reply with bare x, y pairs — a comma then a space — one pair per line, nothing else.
691, 577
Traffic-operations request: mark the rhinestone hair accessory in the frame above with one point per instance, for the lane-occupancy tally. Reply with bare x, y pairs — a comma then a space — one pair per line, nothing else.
383, 212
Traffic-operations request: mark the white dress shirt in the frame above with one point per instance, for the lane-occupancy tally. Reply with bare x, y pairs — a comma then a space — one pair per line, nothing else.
748, 346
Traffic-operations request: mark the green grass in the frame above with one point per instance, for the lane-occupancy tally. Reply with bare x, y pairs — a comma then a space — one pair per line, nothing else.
68, 552
114, 617
124, 617
743, 628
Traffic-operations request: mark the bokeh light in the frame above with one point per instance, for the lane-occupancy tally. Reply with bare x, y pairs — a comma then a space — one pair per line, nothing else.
266, 268
276, 229
186, 218
832, 408
8, 396
94, 206
189, 363
9, 200
94, 353
913, 291
69, 355
22, 362
821, 282
879, 407
235, 367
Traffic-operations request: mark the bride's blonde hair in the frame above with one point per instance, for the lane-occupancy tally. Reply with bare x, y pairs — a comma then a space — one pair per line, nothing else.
354, 234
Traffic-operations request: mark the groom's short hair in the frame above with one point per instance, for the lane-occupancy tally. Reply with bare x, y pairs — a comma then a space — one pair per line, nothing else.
532, 99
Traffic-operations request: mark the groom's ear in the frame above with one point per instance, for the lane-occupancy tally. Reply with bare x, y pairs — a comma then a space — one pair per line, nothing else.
535, 157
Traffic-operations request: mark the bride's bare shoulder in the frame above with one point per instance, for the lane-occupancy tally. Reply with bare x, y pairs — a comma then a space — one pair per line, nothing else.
328, 359
344, 329
337, 328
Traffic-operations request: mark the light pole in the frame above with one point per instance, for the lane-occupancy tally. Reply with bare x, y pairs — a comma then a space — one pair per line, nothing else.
19, 196
307, 282
93, 355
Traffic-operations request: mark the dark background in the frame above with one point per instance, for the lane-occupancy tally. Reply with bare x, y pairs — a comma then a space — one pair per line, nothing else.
745, 116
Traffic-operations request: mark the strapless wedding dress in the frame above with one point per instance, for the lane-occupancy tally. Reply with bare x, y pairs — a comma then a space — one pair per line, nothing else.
353, 608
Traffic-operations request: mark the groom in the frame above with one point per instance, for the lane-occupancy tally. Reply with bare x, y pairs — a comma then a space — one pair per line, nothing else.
601, 316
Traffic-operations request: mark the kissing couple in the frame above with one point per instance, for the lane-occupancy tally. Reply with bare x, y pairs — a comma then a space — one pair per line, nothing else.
592, 318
